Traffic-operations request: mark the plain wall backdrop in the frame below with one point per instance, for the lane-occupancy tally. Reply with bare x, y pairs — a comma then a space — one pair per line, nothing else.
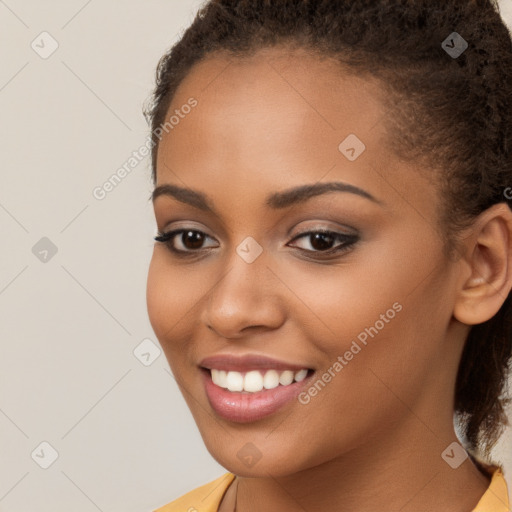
74, 76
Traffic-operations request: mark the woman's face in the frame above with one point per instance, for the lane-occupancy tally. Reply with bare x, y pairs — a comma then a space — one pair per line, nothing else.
367, 309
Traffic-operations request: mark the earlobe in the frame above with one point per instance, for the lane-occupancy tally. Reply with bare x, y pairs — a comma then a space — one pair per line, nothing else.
486, 270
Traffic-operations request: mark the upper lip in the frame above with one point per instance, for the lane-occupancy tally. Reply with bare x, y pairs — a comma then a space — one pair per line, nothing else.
247, 362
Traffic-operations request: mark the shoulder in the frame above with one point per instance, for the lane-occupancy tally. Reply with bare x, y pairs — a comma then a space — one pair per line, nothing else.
496, 498
203, 499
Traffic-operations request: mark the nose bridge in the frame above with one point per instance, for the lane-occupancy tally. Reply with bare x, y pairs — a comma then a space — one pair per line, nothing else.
244, 280
244, 295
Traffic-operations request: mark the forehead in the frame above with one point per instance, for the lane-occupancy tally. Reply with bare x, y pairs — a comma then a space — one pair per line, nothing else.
283, 83
277, 99
277, 119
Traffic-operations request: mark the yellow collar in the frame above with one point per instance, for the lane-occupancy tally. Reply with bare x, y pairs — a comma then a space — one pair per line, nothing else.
207, 498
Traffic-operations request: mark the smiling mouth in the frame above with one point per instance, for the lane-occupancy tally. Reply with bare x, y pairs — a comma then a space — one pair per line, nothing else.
255, 381
248, 389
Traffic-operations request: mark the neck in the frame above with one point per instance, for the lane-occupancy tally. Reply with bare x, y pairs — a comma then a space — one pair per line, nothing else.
405, 473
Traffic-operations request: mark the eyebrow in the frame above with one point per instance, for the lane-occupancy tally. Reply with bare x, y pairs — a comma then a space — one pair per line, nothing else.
276, 201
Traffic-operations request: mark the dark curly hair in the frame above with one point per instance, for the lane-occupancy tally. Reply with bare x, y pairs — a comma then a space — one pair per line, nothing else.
454, 114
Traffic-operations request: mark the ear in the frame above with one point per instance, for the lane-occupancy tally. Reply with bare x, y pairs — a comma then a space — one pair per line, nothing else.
486, 269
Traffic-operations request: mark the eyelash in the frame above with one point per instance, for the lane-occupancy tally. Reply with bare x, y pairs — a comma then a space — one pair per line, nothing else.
349, 241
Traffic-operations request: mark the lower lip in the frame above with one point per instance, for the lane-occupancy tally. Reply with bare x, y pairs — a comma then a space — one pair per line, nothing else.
247, 407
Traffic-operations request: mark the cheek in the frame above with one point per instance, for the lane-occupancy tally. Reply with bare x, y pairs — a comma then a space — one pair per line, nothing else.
335, 305
174, 298
385, 312
155, 298
166, 297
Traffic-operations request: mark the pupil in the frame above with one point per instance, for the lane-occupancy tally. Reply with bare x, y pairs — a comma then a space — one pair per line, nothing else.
319, 237
194, 237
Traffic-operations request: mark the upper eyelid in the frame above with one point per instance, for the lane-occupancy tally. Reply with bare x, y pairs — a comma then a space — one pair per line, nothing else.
227, 231
320, 225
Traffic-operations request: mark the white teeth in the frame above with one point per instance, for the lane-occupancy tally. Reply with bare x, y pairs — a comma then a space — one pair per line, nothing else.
254, 381
219, 377
223, 378
271, 379
300, 375
215, 376
235, 381
286, 378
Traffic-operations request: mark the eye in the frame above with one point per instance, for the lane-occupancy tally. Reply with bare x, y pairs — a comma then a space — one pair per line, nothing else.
191, 240
322, 241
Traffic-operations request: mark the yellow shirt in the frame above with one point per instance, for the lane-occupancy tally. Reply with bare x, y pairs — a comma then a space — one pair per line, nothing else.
207, 498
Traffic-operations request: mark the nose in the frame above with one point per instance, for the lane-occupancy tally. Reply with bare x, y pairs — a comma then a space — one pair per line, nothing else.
245, 298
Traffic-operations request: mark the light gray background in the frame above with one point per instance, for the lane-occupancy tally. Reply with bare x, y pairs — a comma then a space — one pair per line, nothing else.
68, 375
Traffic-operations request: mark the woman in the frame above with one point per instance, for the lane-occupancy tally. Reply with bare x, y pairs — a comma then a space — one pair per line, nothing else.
331, 279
